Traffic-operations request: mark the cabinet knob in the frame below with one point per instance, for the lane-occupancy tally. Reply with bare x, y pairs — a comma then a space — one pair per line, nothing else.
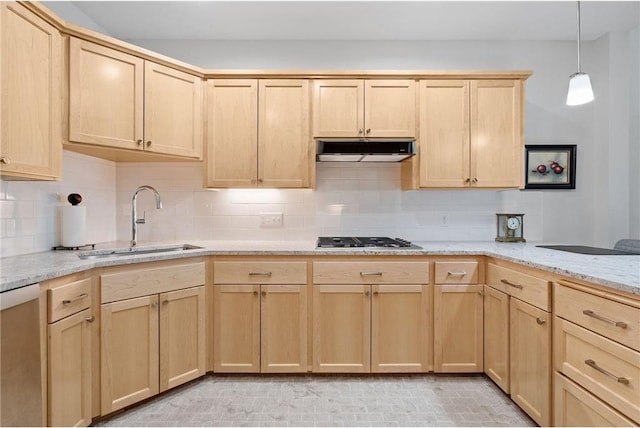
475, 180
540, 321
154, 305
5, 160
366, 293
148, 143
368, 130
360, 131
255, 293
467, 180
139, 142
264, 294
260, 180
90, 319
165, 302
375, 293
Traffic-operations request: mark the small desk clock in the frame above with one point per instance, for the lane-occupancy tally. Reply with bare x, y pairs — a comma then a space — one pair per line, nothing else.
510, 228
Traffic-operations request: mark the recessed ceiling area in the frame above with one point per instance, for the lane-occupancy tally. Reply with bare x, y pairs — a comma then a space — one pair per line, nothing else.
360, 20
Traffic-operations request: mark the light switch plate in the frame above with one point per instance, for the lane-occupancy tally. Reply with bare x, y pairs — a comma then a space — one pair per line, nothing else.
273, 219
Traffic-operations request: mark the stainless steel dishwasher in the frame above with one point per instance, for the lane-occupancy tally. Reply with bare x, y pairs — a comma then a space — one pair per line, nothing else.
20, 369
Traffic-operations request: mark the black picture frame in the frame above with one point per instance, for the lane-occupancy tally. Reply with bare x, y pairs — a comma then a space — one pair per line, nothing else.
550, 166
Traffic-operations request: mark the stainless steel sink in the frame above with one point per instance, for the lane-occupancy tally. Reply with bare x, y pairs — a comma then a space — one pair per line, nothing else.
133, 251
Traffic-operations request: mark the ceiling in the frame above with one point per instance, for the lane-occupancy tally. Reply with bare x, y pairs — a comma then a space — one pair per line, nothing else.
360, 20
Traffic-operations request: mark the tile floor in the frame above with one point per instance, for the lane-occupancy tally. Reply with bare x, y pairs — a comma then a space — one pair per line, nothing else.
330, 400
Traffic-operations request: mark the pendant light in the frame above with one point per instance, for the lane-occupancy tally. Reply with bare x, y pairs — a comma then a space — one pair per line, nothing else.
580, 91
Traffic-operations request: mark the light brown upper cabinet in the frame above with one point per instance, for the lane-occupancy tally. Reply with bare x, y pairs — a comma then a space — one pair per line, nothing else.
258, 133
31, 79
119, 101
364, 108
471, 133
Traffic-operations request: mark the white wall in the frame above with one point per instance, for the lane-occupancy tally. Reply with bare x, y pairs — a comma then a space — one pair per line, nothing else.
634, 135
30, 214
71, 13
564, 216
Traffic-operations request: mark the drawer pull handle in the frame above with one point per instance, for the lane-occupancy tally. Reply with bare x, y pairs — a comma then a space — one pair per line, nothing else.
366, 293
592, 314
75, 299
90, 319
594, 365
518, 286
259, 273
370, 273
463, 273
540, 321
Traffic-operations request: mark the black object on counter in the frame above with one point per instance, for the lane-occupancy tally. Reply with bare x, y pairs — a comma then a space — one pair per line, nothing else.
580, 249
74, 198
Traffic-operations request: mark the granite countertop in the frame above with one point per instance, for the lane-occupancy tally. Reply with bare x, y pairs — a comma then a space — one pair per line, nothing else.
617, 272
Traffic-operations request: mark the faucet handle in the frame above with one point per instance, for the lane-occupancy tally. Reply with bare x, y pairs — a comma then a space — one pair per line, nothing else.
142, 220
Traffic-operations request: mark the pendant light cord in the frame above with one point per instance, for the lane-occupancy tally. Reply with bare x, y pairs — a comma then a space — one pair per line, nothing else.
578, 36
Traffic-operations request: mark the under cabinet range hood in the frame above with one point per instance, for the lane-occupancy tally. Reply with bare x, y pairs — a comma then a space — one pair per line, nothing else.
364, 149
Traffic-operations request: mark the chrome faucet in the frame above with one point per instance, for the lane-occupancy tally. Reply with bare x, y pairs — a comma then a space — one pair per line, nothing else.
135, 221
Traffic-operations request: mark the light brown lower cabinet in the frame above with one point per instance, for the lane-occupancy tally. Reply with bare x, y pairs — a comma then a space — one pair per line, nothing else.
380, 328
496, 336
399, 328
260, 328
69, 370
342, 328
458, 329
575, 407
530, 360
150, 344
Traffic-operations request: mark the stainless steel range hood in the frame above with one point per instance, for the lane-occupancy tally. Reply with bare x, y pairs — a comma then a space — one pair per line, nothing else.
364, 149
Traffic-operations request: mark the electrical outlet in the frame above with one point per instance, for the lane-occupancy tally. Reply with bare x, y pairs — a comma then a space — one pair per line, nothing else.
270, 219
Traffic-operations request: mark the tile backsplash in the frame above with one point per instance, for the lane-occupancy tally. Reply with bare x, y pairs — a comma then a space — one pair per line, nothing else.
30, 210
349, 199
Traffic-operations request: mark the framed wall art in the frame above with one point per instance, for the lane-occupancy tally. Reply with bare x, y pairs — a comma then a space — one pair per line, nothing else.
550, 166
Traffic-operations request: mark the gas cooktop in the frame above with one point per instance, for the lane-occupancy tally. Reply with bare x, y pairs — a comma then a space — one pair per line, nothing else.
363, 242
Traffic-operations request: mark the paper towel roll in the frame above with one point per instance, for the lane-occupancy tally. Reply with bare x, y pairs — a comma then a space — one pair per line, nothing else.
74, 219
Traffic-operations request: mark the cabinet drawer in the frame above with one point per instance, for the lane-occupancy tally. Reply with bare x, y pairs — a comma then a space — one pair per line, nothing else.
605, 368
68, 299
370, 272
575, 407
152, 280
257, 272
614, 320
457, 272
533, 290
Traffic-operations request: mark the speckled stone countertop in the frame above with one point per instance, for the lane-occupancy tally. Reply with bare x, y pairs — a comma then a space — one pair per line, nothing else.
618, 272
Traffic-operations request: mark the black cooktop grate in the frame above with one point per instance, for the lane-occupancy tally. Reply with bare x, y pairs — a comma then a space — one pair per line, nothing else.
362, 242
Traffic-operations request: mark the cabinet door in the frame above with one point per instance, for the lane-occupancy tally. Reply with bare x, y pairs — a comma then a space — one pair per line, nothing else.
232, 133
338, 108
530, 355
457, 329
182, 336
236, 328
341, 328
284, 328
284, 145
30, 80
575, 407
444, 133
390, 108
496, 133
399, 329
105, 96
69, 370
496, 336
173, 118
129, 352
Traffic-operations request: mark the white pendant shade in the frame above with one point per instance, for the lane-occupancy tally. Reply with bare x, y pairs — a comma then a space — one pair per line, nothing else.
580, 91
